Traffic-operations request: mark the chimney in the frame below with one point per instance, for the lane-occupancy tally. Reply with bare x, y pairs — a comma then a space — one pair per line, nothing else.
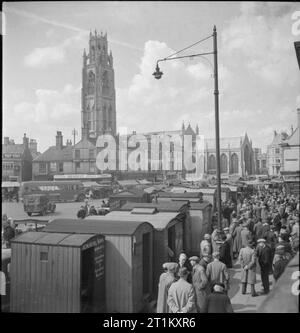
59, 140
25, 141
33, 145
6, 140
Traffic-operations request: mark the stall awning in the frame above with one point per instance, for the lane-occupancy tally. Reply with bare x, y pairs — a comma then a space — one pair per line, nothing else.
10, 184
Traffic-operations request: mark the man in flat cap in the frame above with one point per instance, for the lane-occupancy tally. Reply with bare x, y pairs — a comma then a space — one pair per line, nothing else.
247, 259
216, 272
264, 255
224, 249
165, 281
199, 281
181, 295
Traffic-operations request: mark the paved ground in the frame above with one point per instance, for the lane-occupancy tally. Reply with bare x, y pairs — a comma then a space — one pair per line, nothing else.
245, 303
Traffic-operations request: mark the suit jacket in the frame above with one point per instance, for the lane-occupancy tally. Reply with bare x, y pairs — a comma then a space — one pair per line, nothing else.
245, 236
199, 283
247, 257
181, 297
264, 256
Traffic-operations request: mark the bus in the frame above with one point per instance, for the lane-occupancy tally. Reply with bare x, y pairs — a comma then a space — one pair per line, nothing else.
101, 179
59, 191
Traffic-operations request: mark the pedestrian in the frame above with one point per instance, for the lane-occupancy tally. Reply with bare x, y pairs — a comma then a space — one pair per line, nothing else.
279, 265
205, 260
214, 238
264, 256
216, 272
229, 239
218, 301
165, 281
247, 259
205, 246
237, 240
258, 229
199, 282
8, 233
93, 211
245, 235
224, 249
184, 262
181, 294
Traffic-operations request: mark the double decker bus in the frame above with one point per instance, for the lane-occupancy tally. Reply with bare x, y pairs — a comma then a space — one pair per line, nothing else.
59, 191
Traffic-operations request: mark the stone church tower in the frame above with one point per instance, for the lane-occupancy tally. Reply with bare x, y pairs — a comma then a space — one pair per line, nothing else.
98, 97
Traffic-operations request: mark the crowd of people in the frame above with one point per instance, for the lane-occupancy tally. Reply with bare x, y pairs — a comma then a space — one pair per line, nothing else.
261, 231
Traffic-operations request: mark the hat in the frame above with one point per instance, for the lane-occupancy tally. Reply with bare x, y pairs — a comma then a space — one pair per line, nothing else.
261, 240
226, 229
170, 266
207, 236
195, 258
183, 272
219, 287
216, 254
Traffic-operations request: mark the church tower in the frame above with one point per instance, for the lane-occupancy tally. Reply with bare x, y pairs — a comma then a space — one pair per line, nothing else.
98, 97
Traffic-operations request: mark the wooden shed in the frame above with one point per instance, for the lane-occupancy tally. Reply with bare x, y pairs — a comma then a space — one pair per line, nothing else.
201, 218
57, 272
169, 240
128, 258
210, 195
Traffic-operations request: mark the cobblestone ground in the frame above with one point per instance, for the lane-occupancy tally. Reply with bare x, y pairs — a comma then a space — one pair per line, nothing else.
245, 303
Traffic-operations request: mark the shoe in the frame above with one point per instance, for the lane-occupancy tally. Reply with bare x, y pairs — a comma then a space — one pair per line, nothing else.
254, 295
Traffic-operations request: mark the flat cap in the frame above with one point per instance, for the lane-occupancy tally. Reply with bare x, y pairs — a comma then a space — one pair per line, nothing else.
183, 271
170, 266
261, 240
226, 229
195, 258
207, 236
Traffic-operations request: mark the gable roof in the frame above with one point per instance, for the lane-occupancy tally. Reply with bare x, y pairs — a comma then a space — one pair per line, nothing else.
294, 139
12, 149
53, 154
94, 225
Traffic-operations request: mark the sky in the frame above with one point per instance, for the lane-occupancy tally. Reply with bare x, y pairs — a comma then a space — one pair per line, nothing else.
259, 79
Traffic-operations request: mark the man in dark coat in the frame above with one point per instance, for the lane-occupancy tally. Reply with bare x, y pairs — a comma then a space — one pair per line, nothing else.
218, 301
264, 256
8, 233
81, 213
225, 253
258, 229
279, 266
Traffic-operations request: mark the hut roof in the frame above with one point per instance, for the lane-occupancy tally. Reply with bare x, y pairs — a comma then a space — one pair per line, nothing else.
45, 238
94, 225
159, 220
160, 206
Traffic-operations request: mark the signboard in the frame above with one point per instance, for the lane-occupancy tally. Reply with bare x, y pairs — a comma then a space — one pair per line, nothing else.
99, 260
80, 176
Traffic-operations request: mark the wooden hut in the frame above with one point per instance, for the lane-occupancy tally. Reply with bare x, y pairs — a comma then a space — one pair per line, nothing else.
57, 272
128, 259
169, 240
210, 195
201, 218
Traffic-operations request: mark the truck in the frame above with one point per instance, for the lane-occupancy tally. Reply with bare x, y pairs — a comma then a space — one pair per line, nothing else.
38, 203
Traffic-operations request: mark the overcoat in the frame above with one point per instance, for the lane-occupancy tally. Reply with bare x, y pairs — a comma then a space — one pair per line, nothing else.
237, 239
216, 272
165, 281
200, 283
181, 297
247, 257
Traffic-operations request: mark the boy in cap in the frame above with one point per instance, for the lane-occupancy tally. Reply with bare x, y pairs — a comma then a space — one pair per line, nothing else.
199, 281
181, 295
165, 281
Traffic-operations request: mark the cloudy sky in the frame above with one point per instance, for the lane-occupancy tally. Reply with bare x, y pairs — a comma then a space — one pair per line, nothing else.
259, 77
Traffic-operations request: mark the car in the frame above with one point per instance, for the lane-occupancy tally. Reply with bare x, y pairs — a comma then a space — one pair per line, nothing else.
38, 203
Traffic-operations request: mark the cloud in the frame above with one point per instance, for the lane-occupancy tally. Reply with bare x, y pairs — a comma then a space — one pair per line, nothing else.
41, 57
50, 110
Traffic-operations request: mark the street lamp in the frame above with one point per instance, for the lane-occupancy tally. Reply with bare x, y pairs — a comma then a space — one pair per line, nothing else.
158, 74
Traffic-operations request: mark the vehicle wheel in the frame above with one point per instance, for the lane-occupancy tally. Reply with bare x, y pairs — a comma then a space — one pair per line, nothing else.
81, 197
29, 214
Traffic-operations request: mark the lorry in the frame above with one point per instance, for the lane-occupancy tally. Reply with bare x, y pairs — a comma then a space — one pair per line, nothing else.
38, 203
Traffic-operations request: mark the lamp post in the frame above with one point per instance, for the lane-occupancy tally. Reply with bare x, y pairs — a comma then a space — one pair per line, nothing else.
158, 74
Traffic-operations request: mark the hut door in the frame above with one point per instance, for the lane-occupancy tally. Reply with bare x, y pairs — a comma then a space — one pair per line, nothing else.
87, 280
146, 263
171, 241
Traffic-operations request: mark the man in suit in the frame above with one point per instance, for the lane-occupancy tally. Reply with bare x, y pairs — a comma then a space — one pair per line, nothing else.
264, 255
216, 272
258, 229
184, 262
181, 295
165, 281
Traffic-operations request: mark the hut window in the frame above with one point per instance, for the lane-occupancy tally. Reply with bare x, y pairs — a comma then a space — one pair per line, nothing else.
44, 256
